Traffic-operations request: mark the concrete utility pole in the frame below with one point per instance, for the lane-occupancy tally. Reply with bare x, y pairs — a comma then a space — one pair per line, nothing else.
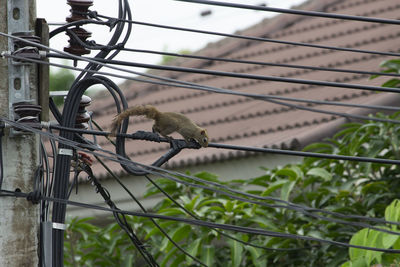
19, 218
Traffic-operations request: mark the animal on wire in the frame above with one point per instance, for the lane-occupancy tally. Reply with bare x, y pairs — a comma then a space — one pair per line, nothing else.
165, 123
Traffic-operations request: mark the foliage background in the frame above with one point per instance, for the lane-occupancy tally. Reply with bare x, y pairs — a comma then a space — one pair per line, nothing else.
348, 187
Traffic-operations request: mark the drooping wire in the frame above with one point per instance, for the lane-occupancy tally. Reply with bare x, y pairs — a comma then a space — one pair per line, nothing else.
229, 227
202, 71
295, 11
234, 147
194, 216
1, 154
172, 176
268, 98
120, 218
252, 62
116, 178
254, 76
109, 171
260, 39
226, 91
240, 61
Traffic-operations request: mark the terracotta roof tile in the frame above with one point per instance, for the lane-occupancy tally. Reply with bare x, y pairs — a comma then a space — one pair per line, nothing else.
243, 121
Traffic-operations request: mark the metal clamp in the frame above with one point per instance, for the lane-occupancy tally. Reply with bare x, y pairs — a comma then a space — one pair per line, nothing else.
65, 152
59, 226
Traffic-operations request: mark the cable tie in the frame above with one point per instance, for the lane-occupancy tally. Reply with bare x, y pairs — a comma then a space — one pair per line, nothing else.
45, 124
6, 54
92, 14
59, 226
112, 22
120, 46
65, 151
34, 196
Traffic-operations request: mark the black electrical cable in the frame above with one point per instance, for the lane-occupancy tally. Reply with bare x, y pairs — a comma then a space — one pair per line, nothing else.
254, 76
240, 61
64, 161
123, 12
254, 96
176, 203
123, 223
172, 176
222, 146
260, 39
78, 23
189, 85
293, 207
45, 182
254, 149
2, 126
242, 229
219, 231
52, 179
109, 171
226, 91
92, 46
296, 12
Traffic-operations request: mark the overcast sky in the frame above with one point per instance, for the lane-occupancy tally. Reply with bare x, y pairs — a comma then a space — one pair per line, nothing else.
168, 12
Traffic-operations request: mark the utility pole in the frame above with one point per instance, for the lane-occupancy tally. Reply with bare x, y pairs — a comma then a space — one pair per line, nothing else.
19, 218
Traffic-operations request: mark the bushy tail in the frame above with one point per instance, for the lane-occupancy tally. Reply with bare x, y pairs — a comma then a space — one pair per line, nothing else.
147, 110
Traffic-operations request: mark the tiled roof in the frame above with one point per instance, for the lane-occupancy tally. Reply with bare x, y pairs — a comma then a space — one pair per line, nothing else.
244, 121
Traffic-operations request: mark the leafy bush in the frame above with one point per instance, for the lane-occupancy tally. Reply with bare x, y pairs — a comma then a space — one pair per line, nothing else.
377, 239
348, 187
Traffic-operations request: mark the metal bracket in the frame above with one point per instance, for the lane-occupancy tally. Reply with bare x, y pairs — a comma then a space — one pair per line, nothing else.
18, 81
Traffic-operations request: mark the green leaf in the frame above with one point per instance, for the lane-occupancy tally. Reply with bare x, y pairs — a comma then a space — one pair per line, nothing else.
391, 83
287, 189
273, 186
358, 239
207, 176
128, 261
320, 172
368, 238
208, 255
388, 240
391, 64
236, 252
360, 262
177, 235
255, 256
155, 230
292, 173
392, 212
167, 257
178, 260
264, 222
172, 211
193, 249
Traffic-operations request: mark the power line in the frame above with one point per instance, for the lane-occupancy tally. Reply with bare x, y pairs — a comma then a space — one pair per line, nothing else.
255, 77
259, 63
269, 98
260, 39
202, 71
295, 12
229, 227
220, 90
172, 174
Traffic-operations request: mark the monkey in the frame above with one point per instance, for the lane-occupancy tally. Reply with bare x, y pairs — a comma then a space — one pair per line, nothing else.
165, 123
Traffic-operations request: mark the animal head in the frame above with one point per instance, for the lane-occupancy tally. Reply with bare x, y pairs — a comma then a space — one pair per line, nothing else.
202, 138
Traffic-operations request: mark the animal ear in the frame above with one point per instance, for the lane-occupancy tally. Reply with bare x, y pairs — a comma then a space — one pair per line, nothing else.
203, 132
